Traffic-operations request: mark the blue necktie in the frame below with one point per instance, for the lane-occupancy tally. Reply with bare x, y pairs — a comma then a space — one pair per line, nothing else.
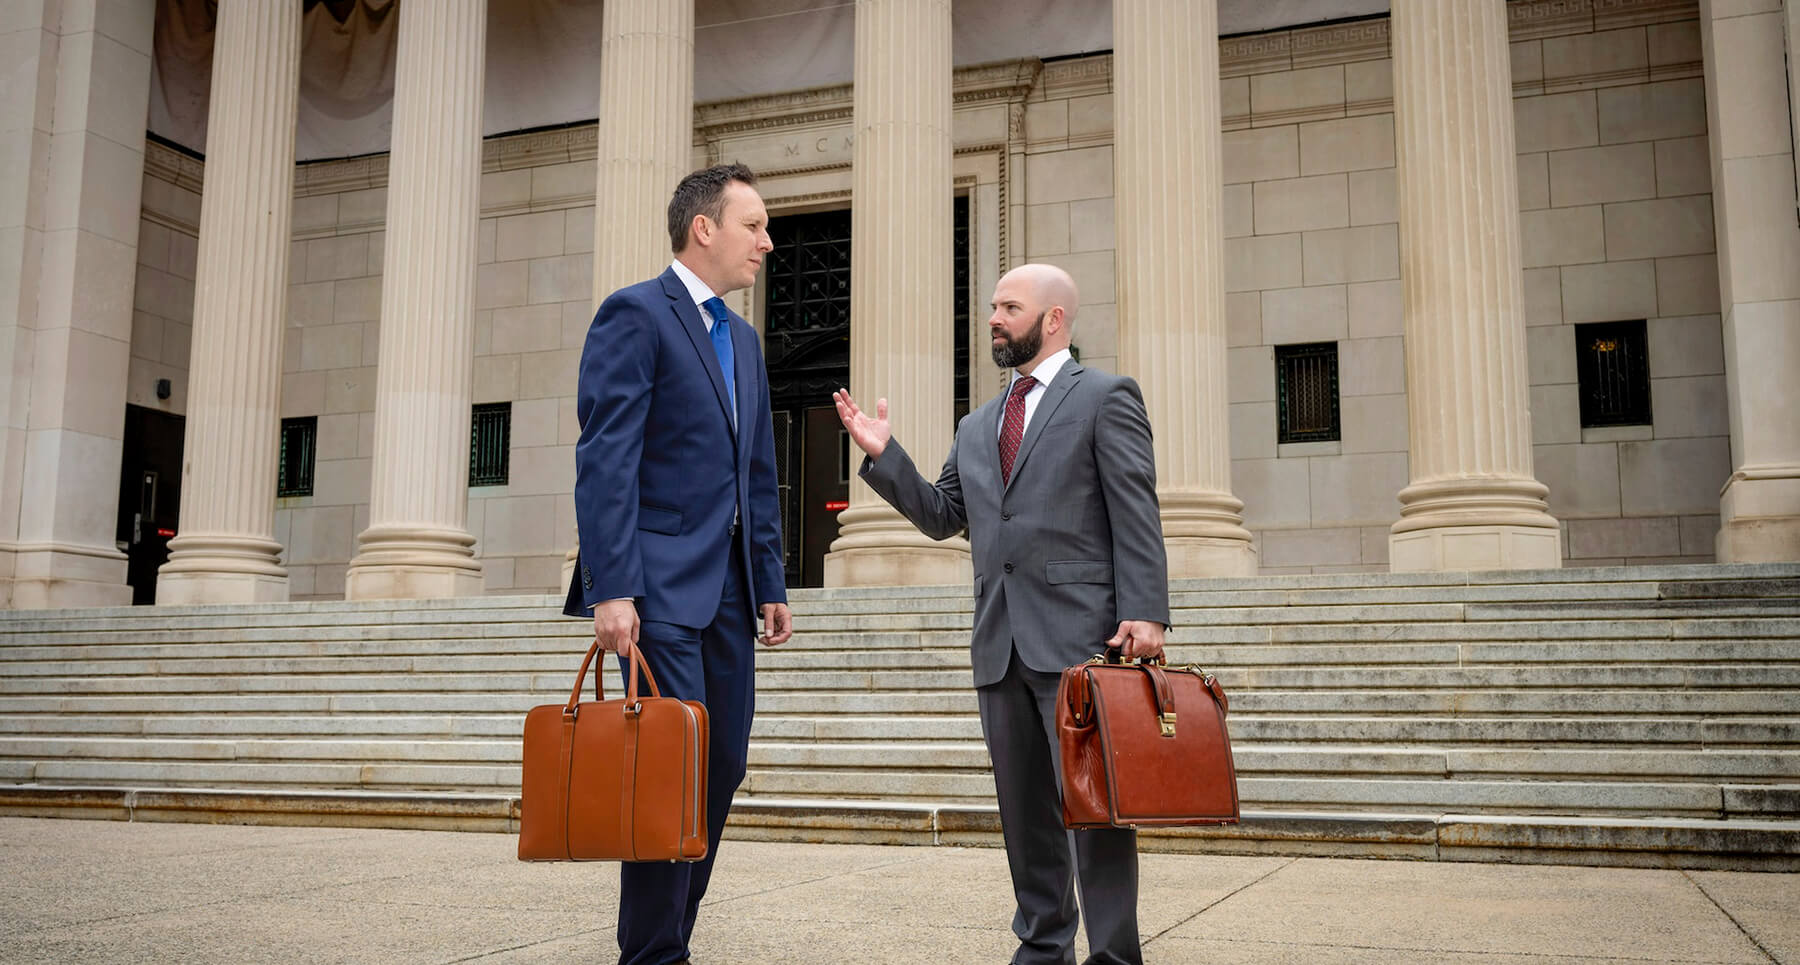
721, 343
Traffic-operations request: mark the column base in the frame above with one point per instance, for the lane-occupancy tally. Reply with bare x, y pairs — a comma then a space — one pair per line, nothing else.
876, 546
1475, 548
1759, 516
41, 576
1205, 536
413, 563
1192, 557
1475, 523
221, 568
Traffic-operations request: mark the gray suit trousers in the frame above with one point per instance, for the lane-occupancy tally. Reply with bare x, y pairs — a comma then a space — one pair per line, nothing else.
1018, 720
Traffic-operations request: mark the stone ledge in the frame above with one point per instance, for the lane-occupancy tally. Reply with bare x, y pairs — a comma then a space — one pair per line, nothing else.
1739, 845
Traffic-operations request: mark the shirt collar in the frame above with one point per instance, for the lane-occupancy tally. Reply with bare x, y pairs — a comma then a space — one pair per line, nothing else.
1047, 370
697, 289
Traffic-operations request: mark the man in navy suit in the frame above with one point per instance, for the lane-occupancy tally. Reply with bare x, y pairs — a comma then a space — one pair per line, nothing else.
676, 501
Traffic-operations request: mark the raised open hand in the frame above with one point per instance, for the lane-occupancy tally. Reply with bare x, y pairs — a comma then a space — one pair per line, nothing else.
870, 435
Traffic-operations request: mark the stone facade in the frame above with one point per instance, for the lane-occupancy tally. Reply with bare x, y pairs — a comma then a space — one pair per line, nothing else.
1616, 217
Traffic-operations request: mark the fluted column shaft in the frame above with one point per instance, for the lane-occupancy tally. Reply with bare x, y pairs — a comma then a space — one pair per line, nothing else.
901, 239
226, 551
646, 138
1472, 502
417, 543
1168, 187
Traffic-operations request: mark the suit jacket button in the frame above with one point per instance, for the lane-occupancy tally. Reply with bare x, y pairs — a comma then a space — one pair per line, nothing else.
1005, 515
1008, 567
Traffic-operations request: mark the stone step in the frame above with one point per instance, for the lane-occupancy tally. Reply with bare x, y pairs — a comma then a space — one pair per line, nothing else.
538, 622
198, 662
1470, 796
1545, 703
549, 655
572, 637
1739, 843
400, 676
508, 726
1770, 733
1252, 759
317, 775
1683, 582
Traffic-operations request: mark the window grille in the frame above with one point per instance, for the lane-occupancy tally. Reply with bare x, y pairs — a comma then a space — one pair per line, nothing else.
299, 449
490, 444
1306, 378
1613, 365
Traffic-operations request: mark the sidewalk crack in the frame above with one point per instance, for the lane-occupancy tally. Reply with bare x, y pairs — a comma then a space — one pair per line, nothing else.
1233, 893
1771, 956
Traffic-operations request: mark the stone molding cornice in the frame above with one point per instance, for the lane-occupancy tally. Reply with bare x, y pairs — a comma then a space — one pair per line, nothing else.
1011, 82
1002, 81
167, 164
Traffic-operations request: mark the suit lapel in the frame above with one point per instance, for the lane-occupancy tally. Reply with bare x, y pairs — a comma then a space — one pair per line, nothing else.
987, 424
689, 316
1054, 394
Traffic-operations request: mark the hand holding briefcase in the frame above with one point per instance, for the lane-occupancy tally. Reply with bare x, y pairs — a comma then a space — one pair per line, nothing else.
1143, 745
614, 780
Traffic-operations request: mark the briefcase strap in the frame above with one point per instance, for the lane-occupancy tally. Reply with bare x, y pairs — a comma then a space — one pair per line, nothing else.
633, 667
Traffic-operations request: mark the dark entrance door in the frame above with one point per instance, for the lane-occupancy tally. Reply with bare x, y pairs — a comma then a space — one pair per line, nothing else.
149, 495
806, 340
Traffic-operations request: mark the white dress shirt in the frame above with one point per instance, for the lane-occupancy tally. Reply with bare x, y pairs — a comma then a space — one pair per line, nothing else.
1045, 373
697, 290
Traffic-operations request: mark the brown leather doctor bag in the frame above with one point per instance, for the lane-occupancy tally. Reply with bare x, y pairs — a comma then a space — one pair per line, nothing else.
614, 780
1143, 745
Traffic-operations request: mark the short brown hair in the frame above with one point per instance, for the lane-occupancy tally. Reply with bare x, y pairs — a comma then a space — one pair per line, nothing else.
702, 192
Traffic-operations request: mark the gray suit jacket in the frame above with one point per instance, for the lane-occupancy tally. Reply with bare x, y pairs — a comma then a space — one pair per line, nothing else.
1072, 545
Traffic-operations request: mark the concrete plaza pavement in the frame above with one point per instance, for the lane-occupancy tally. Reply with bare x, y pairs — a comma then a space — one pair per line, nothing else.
100, 892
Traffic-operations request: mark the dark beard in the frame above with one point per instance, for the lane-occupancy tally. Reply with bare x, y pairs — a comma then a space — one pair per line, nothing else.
1015, 352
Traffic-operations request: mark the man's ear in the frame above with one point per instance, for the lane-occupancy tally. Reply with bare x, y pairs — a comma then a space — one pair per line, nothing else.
701, 229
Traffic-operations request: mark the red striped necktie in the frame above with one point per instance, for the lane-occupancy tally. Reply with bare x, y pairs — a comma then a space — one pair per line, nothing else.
1013, 429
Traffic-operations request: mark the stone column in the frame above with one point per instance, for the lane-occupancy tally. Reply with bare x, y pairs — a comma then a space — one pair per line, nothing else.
646, 140
1167, 186
1473, 503
72, 116
226, 551
900, 286
418, 543
1748, 107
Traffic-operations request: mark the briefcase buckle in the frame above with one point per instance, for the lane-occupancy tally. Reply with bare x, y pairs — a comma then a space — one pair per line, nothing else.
1167, 720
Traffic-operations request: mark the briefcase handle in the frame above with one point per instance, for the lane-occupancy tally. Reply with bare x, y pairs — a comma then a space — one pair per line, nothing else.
1154, 667
633, 666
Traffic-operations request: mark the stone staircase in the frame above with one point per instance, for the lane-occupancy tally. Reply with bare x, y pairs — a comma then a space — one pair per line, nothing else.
1646, 715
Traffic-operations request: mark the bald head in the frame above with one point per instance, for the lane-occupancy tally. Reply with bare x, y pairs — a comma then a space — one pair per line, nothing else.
1034, 306
1051, 287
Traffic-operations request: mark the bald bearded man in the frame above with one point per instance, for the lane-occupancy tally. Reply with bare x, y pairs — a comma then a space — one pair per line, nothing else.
1055, 480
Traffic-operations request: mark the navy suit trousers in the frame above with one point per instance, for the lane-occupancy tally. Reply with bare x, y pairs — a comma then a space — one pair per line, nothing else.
716, 665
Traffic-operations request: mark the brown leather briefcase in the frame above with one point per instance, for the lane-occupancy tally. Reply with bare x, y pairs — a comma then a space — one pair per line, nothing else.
1143, 745
614, 780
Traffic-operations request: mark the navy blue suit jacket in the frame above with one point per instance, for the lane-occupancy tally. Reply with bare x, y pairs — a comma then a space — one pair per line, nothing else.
658, 470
